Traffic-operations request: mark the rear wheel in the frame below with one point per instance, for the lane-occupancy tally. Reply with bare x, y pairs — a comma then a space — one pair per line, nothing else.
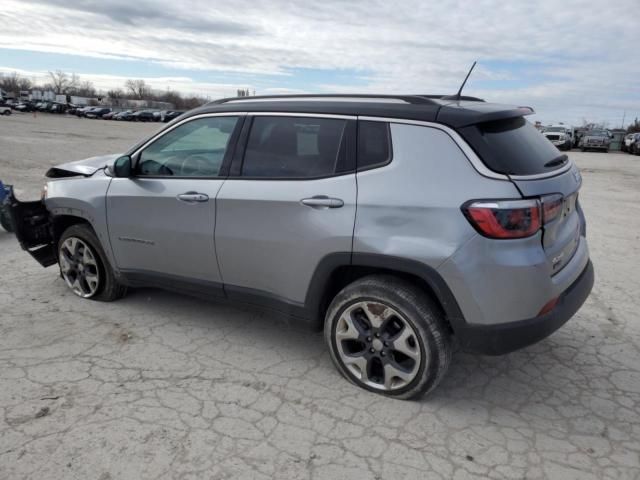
7, 112
387, 336
84, 265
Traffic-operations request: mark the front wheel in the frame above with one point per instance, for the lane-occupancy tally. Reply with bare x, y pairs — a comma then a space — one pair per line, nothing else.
387, 336
85, 267
7, 112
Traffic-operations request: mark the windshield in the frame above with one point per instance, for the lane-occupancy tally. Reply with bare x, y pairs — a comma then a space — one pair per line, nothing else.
598, 133
555, 129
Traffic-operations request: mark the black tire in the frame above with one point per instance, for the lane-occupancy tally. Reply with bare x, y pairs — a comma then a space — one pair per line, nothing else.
109, 289
7, 112
417, 310
5, 220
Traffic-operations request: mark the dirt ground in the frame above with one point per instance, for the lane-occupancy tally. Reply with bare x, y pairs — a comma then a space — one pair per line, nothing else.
163, 386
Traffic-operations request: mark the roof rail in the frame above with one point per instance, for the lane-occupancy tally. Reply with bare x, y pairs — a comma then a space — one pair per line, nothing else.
413, 99
454, 97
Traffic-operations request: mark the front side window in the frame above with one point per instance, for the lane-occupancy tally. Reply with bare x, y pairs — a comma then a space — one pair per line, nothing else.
294, 147
194, 149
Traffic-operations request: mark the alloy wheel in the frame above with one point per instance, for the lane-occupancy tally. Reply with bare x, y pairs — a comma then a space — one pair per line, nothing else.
79, 267
377, 345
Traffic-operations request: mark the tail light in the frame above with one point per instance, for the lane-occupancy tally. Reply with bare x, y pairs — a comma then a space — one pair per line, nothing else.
504, 218
551, 207
513, 218
550, 305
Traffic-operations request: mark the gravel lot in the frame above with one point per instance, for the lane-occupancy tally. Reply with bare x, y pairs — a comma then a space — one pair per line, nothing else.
159, 385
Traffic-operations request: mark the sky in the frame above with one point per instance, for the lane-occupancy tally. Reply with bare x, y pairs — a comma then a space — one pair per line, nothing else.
570, 60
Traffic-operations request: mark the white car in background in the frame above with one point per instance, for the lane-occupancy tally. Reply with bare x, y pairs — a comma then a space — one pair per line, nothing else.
560, 135
4, 110
629, 140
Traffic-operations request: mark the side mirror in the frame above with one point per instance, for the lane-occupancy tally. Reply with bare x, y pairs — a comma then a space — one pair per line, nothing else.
121, 167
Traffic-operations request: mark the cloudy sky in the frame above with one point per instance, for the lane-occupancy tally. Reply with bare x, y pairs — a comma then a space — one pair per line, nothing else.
570, 60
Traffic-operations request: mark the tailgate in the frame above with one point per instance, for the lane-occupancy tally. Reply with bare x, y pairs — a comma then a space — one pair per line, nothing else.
33, 229
560, 238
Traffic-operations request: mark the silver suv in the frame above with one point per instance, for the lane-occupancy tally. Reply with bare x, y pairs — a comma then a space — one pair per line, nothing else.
399, 224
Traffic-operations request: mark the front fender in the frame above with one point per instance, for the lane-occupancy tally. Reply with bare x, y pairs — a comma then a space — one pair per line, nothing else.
83, 198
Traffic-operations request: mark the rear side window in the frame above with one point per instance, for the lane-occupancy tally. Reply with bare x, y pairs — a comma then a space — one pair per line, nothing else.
294, 147
513, 146
374, 144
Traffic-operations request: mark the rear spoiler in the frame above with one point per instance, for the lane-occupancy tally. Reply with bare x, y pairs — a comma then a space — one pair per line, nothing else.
463, 114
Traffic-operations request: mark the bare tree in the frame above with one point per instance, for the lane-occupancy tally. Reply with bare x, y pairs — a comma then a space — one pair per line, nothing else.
62, 83
138, 88
84, 89
14, 83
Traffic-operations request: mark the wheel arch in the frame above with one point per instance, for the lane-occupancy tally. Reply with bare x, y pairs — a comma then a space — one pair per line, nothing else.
337, 270
61, 222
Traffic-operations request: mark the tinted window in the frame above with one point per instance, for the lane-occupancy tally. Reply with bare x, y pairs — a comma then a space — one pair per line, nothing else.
512, 146
194, 149
374, 144
293, 147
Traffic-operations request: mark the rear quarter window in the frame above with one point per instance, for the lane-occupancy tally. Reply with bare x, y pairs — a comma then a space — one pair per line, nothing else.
513, 147
374, 144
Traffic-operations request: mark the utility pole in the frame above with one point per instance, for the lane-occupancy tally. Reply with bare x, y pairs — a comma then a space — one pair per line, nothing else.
623, 117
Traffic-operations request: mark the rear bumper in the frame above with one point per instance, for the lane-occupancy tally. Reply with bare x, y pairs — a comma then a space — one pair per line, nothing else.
506, 337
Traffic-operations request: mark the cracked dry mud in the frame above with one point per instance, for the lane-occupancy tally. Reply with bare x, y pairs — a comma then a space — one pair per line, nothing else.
160, 385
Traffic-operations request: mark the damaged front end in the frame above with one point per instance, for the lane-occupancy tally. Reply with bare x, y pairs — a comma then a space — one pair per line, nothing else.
33, 227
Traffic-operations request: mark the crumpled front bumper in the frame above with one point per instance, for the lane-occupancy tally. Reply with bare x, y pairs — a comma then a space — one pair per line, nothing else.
33, 229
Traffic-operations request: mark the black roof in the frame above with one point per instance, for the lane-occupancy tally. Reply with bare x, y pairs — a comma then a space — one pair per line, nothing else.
443, 109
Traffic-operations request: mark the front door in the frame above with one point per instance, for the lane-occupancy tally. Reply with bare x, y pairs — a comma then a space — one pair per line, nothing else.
291, 206
161, 221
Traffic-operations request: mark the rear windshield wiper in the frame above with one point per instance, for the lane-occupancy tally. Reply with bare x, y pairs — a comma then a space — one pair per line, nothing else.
560, 160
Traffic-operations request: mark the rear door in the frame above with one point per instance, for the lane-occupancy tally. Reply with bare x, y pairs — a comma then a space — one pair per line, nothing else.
161, 221
290, 203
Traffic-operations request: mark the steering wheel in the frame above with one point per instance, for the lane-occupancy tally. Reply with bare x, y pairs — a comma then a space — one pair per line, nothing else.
198, 166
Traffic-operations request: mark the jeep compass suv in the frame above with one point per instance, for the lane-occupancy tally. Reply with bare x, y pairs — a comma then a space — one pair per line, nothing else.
399, 224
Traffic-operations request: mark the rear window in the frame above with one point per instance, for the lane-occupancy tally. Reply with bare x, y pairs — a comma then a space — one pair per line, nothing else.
513, 146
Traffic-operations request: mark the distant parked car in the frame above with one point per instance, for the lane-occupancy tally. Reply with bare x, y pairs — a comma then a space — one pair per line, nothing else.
630, 141
143, 116
108, 115
4, 110
597, 139
560, 135
80, 112
24, 107
58, 108
123, 115
170, 115
634, 146
97, 112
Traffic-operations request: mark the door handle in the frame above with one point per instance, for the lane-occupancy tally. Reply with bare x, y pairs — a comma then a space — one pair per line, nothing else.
322, 201
193, 197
